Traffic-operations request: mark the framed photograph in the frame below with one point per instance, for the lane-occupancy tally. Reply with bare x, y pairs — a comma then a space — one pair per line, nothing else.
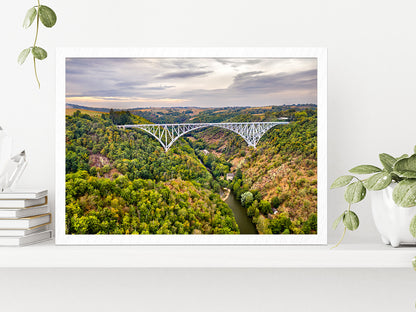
191, 146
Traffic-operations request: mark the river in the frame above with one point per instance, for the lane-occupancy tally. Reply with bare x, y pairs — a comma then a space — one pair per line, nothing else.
240, 215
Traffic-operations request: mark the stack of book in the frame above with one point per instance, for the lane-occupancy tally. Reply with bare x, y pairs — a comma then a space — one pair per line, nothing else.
24, 217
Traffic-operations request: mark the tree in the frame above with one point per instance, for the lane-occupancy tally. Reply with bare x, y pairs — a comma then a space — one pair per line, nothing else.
300, 115
210, 160
238, 174
236, 187
275, 202
246, 199
265, 207
263, 225
311, 224
280, 224
253, 210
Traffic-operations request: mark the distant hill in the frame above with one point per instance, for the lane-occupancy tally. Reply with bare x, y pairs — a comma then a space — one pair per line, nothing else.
106, 110
71, 111
80, 107
199, 114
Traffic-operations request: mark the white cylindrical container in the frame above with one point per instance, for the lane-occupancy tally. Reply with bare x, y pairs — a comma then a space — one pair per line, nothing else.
391, 220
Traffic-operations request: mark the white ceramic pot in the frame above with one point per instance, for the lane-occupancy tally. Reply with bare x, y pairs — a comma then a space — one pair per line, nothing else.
391, 220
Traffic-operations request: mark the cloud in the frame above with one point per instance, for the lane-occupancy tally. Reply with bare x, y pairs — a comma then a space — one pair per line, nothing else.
129, 84
133, 86
256, 88
256, 82
245, 75
184, 74
238, 62
209, 82
156, 88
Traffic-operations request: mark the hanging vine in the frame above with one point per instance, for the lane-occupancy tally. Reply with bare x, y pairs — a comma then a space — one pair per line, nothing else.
47, 16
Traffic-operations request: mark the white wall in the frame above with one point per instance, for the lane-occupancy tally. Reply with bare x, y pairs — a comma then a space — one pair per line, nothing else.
371, 65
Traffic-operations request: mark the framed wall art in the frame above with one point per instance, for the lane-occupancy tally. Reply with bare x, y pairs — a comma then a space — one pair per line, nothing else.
191, 146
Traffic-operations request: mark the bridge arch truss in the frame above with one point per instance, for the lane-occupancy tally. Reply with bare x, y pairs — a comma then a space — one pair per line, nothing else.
167, 134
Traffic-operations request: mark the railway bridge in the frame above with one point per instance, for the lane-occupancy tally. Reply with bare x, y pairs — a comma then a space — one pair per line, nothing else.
167, 134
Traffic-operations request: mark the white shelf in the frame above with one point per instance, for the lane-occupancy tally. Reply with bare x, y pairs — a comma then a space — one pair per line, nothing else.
48, 255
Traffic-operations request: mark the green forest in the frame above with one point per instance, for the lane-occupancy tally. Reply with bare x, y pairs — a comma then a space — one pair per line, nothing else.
121, 181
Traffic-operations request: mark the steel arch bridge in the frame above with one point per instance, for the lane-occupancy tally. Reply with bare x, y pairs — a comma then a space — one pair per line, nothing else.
167, 134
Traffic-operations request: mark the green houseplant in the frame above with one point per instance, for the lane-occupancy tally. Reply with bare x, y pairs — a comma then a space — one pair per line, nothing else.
396, 173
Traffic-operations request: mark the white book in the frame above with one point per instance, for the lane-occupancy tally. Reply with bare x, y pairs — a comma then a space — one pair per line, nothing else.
25, 223
23, 203
25, 212
25, 240
13, 232
22, 193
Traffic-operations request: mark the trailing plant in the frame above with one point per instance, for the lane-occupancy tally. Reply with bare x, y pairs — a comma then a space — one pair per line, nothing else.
400, 171
47, 17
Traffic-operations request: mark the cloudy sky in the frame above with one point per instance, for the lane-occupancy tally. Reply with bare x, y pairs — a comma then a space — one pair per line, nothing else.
197, 82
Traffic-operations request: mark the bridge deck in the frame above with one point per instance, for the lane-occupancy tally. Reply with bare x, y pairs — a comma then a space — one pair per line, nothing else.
208, 124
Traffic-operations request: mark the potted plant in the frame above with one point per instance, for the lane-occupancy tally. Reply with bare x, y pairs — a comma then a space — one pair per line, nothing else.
393, 202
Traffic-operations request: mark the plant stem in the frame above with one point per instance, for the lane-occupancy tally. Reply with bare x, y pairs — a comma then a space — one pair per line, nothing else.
36, 73
342, 237
343, 233
37, 25
34, 44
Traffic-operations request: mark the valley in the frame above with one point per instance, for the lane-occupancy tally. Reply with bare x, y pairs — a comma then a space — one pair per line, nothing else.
123, 182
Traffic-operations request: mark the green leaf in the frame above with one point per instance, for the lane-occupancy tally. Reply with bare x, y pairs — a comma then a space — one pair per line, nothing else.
414, 263
406, 167
355, 192
365, 169
338, 220
395, 176
351, 220
387, 161
30, 17
47, 16
412, 227
342, 181
404, 194
39, 53
406, 174
403, 156
378, 181
23, 56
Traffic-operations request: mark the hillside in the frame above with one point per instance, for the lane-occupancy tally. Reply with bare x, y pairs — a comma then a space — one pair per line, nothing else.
281, 173
121, 181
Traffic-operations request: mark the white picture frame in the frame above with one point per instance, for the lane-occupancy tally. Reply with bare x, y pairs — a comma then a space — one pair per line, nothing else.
66, 239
